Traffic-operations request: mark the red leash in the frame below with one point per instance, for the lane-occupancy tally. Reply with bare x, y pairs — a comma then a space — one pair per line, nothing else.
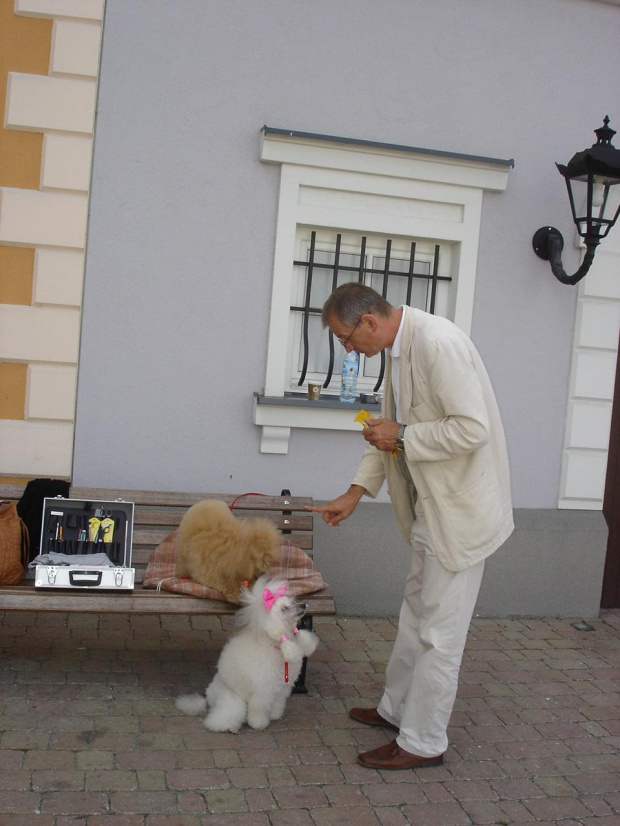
241, 495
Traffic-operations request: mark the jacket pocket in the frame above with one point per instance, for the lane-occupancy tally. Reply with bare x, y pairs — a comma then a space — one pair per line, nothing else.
422, 413
473, 514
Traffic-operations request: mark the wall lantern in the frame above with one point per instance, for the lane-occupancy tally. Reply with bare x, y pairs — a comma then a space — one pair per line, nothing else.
599, 168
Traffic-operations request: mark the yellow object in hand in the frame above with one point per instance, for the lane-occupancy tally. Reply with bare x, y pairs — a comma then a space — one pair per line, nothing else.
362, 417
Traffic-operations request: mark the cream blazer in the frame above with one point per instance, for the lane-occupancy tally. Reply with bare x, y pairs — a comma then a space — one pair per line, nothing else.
454, 444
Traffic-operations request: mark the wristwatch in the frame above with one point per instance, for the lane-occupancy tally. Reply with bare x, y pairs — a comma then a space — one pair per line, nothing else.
400, 438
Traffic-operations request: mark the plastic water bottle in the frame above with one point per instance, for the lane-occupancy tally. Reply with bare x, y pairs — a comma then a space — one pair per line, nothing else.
350, 369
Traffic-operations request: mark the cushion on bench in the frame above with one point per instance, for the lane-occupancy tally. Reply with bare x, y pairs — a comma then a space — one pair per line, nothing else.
295, 566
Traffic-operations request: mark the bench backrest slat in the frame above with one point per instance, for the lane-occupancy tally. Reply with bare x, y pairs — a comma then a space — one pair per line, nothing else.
185, 500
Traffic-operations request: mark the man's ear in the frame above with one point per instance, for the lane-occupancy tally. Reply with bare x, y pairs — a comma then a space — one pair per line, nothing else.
371, 320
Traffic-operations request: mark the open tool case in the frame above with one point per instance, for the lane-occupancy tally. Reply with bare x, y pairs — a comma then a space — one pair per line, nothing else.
81, 528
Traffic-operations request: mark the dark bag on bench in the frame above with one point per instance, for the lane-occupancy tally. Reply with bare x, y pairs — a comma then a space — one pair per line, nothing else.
30, 506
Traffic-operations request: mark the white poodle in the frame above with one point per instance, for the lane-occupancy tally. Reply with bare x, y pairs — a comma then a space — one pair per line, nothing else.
258, 666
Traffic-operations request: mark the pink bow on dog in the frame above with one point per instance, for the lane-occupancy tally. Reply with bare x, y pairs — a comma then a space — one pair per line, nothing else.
269, 597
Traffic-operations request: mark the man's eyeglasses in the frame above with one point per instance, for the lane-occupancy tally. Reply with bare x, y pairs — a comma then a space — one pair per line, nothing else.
345, 341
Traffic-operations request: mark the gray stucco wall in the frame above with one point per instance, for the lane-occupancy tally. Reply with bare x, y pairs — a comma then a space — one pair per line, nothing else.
552, 565
181, 233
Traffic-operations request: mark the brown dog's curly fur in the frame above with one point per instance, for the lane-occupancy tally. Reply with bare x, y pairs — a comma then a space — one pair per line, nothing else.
217, 549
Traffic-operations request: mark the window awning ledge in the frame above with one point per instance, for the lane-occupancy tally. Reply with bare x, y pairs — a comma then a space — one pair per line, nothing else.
357, 155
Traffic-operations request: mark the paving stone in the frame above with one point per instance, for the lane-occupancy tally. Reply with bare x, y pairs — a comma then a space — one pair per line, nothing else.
336, 816
191, 802
347, 795
471, 790
45, 781
77, 803
151, 780
556, 786
483, 811
41, 760
398, 794
90, 736
197, 779
290, 817
513, 812
516, 789
300, 797
390, 816
556, 808
259, 800
439, 814
226, 800
19, 781
242, 819
317, 774
139, 802
243, 778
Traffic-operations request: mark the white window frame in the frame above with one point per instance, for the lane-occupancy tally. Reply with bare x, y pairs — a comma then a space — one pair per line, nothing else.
358, 186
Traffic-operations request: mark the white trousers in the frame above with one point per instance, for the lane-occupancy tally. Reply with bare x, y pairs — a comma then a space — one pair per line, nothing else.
422, 673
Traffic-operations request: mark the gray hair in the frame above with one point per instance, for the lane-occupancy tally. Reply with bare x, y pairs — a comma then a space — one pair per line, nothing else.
350, 301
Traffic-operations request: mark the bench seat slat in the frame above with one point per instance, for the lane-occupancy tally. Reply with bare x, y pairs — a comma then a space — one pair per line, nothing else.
29, 598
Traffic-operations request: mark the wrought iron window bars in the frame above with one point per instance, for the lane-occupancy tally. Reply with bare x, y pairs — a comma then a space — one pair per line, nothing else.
362, 271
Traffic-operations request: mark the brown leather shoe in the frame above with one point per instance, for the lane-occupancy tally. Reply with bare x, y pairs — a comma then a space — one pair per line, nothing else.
371, 717
391, 756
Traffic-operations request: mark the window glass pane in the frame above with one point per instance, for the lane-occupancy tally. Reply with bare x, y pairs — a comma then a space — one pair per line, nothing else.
371, 367
318, 345
397, 286
323, 278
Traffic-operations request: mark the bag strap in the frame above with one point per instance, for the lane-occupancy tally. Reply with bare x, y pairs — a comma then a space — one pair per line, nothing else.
25, 544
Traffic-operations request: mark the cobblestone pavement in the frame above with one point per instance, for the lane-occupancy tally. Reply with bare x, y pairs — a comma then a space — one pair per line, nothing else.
90, 736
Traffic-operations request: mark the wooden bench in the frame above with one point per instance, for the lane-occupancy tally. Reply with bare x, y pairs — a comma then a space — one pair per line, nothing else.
156, 514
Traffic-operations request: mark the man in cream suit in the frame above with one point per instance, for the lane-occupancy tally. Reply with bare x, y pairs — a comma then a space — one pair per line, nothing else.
440, 446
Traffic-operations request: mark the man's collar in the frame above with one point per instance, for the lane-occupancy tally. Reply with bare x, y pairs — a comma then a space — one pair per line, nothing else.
395, 348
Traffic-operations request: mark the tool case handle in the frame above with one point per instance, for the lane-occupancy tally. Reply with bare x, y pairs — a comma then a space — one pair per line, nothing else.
87, 578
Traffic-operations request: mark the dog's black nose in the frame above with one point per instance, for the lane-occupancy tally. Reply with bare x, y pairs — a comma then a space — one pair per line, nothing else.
303, 607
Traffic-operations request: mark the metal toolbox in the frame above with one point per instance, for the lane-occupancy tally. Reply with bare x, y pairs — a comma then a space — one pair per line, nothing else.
85, 544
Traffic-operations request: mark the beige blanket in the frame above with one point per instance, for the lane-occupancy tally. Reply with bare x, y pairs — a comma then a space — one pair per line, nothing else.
295, 566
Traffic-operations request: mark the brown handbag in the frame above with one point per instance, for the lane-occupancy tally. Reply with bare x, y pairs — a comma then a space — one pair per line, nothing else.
14, 545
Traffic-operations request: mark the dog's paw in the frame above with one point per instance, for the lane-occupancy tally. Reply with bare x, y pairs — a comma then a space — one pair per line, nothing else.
258, 721
291, 652
307, 641
220, 725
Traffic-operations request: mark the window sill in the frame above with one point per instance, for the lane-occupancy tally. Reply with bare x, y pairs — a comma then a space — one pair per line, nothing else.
278, 414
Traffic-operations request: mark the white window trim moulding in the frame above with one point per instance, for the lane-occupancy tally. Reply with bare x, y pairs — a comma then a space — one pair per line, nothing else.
592, 380
400, 175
